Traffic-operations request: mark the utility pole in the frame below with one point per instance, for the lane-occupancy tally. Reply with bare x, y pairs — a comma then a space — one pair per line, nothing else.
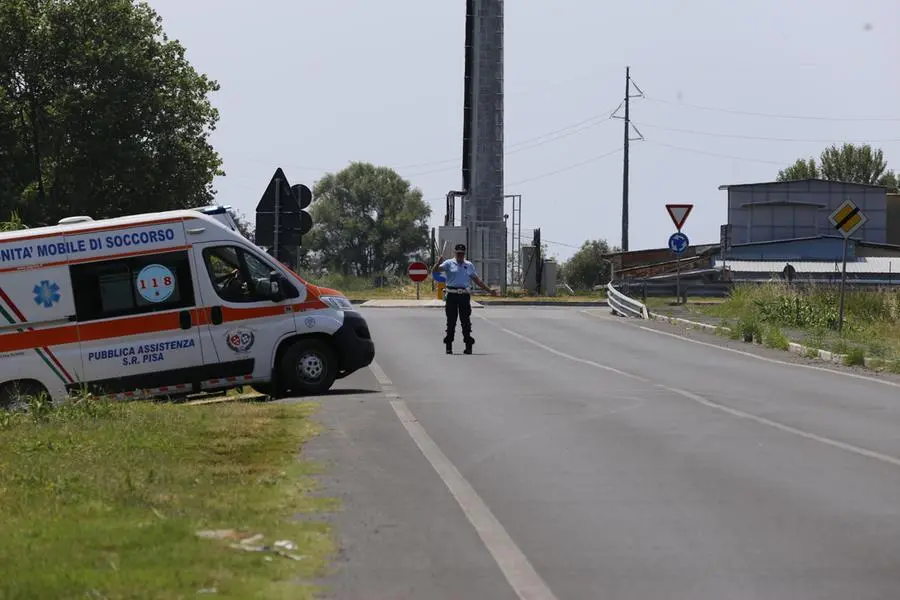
625, 162
627, 139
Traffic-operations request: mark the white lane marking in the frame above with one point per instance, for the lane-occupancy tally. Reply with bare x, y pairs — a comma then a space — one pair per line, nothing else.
771, 360
811, 436
732, 411
563, 354
522, 577
379, 373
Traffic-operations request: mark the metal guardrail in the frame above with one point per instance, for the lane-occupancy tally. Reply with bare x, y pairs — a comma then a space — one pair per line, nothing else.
647, 289
623, 305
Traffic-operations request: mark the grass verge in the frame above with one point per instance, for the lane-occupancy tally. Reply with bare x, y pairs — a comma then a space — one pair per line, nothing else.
775, 313
105, 500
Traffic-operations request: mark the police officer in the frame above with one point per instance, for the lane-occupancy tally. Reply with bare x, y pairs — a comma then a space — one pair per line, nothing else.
460, 274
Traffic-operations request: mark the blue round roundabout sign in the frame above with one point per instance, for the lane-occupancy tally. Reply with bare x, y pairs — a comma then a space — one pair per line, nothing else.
678, 242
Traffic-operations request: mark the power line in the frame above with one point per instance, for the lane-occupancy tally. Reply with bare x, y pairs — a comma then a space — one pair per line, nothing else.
717, 155
525, 144
552, 243
769, 115
763, 138
550, 173
568, 168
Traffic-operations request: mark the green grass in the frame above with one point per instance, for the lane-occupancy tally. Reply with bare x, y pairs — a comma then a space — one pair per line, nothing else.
104, 500
773, 337
810, 316
666, 302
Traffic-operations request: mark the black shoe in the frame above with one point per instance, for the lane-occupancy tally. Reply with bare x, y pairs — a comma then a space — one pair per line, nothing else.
468, 349
449, 348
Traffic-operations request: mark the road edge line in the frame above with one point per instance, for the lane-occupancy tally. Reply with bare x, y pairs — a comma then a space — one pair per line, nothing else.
858, 450
519, 573
772, 360
635, 323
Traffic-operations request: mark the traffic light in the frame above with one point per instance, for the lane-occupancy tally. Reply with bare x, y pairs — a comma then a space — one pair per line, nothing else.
281, 219
303, 195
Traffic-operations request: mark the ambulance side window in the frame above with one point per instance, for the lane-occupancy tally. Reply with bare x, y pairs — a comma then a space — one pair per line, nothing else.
238, 275
132, 286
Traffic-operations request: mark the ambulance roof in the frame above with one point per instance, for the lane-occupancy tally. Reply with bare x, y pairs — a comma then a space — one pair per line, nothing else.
114, 223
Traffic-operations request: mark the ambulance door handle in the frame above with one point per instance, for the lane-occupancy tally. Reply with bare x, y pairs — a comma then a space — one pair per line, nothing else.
184, 319
215, 315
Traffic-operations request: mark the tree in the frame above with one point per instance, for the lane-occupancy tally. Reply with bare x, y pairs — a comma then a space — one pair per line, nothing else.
588, 266
100, 113
802, 169
13, 224
367, 220
244, 227
848, 163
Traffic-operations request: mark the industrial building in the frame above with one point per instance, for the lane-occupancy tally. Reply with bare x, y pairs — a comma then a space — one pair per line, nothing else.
783, 210
781, 229
817, 259
482, 224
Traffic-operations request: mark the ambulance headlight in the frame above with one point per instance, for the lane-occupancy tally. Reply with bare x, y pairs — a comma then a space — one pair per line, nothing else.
337, 302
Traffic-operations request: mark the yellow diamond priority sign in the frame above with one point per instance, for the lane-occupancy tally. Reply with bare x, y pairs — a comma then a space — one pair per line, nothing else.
847, 218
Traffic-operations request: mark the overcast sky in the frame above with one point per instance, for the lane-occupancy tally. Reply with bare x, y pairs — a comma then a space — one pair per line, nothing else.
310, 86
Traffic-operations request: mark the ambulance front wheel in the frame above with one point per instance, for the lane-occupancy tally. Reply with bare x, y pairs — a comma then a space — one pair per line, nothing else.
309, 367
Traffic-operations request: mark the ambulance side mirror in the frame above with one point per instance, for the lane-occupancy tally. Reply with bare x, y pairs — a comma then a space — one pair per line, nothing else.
276, 292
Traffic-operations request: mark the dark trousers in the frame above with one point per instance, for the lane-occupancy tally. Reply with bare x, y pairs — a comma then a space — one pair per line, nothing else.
459, 304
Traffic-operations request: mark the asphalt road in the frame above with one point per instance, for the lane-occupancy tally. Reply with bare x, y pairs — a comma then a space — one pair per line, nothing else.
581, 456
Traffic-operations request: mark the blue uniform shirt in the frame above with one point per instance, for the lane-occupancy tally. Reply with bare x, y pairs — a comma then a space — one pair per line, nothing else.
458, 275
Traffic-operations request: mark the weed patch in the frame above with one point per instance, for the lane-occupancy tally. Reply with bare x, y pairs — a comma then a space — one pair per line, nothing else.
855, 356
871, 317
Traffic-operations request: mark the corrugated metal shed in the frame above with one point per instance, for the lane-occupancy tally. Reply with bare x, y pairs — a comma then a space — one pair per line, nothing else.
872, 264
779, 210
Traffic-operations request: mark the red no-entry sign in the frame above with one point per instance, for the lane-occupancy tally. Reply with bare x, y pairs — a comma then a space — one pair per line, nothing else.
417, 271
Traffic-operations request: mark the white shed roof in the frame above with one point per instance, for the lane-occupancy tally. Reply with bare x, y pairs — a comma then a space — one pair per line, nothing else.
870, 264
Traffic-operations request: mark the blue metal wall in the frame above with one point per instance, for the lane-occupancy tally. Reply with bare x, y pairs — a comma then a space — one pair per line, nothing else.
797, 209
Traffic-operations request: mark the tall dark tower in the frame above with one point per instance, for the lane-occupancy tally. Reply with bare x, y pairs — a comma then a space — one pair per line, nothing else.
482, 163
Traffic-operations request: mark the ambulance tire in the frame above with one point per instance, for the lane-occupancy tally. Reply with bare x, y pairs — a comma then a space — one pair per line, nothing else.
308, 367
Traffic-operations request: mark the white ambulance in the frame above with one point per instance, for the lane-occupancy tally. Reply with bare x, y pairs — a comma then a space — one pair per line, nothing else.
165, 304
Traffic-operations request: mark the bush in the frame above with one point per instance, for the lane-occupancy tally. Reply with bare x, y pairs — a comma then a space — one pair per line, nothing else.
774, 338
856, 356
813, 307
749, 329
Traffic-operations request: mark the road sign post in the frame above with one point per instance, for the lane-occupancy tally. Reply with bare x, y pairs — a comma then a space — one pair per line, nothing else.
418, 272
678, 243
276, 246
847, 219
843, 282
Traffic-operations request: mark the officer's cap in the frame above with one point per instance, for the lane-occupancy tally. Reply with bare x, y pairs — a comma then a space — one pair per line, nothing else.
460, 247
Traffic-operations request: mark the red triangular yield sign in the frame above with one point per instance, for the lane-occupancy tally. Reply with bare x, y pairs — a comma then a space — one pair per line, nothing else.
679, 213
